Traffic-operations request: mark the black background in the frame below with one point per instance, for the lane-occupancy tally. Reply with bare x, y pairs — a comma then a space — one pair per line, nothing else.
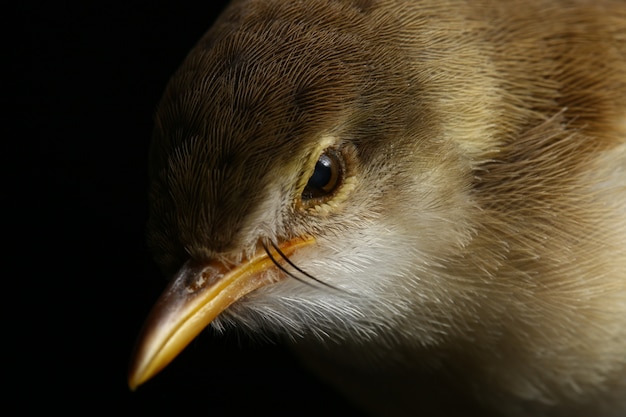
83, 82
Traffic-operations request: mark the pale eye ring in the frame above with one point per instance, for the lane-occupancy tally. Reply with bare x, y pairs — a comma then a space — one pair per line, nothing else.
326, 178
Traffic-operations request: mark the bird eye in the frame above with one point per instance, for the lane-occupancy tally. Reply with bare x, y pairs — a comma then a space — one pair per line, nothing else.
326, 178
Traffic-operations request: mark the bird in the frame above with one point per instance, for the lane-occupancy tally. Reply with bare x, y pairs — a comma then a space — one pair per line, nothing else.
426, 200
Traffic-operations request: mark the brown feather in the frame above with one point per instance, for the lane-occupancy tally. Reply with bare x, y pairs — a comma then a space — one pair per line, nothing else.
490, 136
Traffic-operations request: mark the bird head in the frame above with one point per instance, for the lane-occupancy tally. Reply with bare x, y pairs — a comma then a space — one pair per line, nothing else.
296, 187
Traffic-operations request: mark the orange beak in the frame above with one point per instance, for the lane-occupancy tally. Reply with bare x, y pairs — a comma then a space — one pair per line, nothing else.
197, 294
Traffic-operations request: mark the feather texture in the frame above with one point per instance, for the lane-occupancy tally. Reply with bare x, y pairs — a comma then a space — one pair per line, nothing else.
477, 244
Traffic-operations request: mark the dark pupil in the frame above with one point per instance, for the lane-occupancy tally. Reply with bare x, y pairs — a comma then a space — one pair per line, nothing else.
321, 175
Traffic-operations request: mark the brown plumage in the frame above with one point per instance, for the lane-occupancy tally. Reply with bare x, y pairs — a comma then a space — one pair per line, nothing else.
447, 177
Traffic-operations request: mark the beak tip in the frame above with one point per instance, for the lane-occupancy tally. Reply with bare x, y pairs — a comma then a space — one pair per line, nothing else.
133, 380
137, 372
136, 379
